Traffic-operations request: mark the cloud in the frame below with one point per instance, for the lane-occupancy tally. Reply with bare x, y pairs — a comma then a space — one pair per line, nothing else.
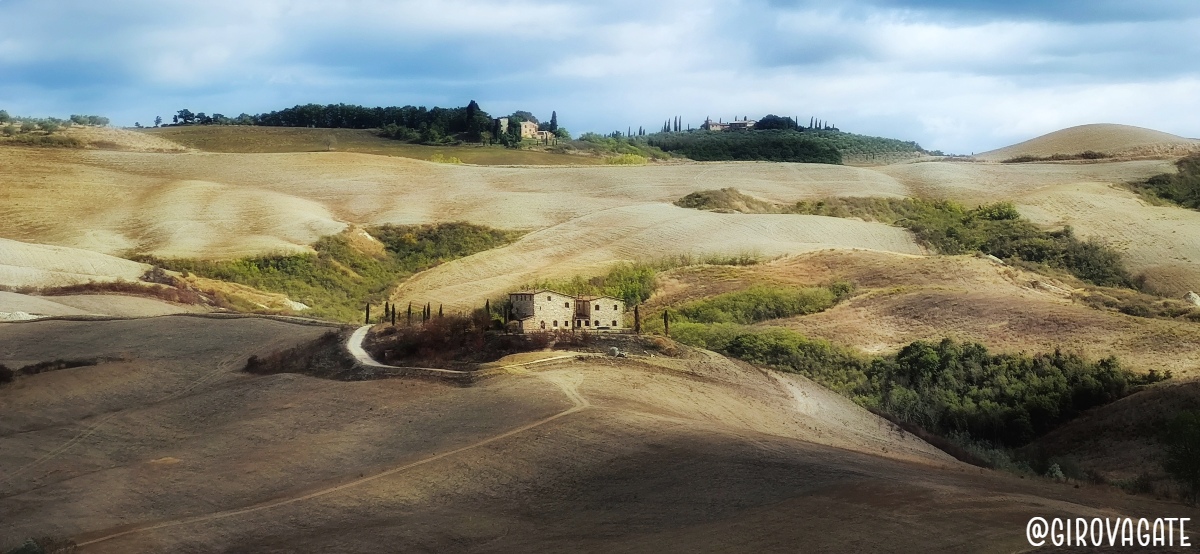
959, 76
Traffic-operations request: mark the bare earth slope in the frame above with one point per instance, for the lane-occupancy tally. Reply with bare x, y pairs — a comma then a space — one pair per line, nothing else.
1114, 140
114, 305
175, 450
37, 265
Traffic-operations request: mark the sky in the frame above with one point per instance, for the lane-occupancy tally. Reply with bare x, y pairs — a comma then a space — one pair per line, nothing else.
959, 76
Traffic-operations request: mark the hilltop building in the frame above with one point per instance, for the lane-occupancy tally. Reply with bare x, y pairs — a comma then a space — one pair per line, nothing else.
529, 129
743, 124
547, 310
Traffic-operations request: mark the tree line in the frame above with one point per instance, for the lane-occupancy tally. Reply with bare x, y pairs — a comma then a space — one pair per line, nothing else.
11, 125
435, 125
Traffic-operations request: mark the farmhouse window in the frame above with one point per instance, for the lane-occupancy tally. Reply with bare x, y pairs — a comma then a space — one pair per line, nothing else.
543, 325
597, 307
566, 304
548, 298
614, 323
556, 323
597, 323
614, 307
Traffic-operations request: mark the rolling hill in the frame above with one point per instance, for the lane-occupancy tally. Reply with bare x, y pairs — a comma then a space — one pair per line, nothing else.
1119, 141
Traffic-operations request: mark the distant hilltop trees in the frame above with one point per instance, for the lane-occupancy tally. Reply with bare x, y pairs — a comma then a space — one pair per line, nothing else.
11, 126
435, 125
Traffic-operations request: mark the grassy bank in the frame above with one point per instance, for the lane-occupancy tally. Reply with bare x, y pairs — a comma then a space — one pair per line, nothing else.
951, 228
996, 229
345, 272
1182, 188
634, 282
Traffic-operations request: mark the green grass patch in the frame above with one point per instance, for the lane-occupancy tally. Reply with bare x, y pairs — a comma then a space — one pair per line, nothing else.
626, 159
1182, 188
338, 279
996, 229
634, 282
762, 303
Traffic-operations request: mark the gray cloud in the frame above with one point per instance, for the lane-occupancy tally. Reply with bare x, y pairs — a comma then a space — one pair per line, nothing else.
951, 75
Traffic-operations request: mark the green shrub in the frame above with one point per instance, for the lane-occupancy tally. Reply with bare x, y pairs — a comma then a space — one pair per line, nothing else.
1085, 155
758, 303
1182, 188
1182, 462
771, 145
949, 388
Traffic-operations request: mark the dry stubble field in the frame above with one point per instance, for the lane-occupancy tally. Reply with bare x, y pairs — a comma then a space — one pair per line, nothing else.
173, 449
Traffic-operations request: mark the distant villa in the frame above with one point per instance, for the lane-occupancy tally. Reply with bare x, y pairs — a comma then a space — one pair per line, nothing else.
743, 124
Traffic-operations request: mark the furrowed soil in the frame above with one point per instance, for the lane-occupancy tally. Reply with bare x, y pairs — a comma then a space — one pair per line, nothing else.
591, 455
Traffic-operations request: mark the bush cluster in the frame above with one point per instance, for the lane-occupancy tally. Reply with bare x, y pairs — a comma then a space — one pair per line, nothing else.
337, 279
772, 145
1182, 188
995, 229
452, 341
945, 387
761, 303
1085, 155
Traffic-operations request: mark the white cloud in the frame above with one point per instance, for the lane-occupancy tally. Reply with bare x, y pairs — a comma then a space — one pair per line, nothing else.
958, 84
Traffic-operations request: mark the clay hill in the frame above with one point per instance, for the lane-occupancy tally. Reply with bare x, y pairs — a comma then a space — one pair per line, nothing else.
157, 441
1117, 141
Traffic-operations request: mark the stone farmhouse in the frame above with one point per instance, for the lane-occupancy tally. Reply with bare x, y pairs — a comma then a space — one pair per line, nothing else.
529, 129
547, 310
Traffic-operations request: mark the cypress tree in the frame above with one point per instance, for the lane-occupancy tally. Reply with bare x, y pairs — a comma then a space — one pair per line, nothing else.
439, 311
368, 318
410, 313
553, 121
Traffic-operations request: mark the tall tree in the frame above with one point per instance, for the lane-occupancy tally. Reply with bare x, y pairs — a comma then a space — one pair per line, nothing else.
553, 121
157, 120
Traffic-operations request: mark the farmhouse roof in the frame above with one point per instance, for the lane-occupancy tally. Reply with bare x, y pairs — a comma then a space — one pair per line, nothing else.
539, 291
599, 297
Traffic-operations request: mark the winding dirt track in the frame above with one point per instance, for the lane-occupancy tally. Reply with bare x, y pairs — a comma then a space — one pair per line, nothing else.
569, 388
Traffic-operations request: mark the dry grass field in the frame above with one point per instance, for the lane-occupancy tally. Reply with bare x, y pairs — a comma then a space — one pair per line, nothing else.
694, 454
902, 299
223, 205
